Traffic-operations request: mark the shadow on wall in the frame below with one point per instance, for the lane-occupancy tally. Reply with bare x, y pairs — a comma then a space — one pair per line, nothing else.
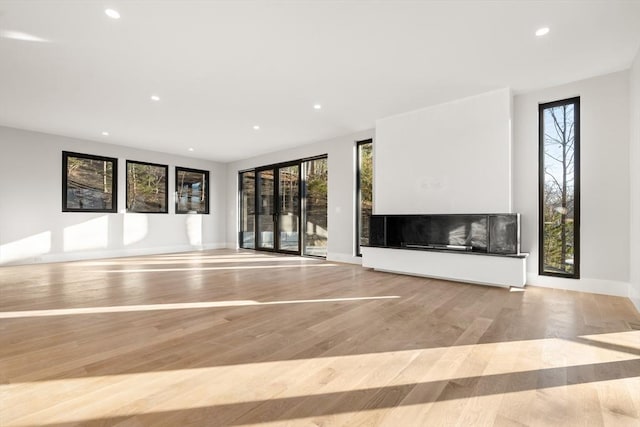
112, 232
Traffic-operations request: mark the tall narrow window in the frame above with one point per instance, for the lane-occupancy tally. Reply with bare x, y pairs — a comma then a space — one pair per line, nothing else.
364, 191
192, 191
559, 192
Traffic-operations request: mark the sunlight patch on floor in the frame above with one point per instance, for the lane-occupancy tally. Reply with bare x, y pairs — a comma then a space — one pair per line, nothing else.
630, 339
244, 267
192, 261
93, 397
176, 306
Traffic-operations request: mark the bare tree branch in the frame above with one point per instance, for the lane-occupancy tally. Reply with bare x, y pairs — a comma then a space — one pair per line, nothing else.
554, 179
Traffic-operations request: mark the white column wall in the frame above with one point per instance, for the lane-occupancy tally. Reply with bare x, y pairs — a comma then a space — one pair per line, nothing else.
604, 228
448, 158
634, 165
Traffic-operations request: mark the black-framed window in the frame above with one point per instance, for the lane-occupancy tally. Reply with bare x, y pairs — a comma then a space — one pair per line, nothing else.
89, 183
147, 190
192, 191
364, 191
283, 207
559, 188
315, 204
247, 197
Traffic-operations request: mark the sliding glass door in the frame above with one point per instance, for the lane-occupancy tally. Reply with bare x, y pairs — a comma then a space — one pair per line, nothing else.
247, 209
266, 209
289, 208
315, 207
278, 201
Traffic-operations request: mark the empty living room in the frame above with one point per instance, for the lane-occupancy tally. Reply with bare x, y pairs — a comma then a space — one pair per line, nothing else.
319, 213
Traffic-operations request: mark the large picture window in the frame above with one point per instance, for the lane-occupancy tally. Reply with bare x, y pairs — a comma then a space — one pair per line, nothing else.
146, 187
89, 183
192, 191
364, 191
559, 192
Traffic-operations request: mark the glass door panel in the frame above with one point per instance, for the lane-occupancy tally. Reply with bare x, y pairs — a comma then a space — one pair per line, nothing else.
266, 211
247, 210
283, 208
315, 217
288, 208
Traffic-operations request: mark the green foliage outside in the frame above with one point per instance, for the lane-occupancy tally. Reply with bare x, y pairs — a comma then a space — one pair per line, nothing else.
559, 189
146, 186
366, 190
89, 183
316, 203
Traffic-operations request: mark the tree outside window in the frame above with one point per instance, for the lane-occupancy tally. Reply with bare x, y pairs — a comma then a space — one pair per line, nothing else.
192, 191
364, 191
559, 188
89, 183
147, 187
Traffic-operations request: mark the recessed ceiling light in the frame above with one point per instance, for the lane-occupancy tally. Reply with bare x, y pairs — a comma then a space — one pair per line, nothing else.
155, 98
256, 127
112, 13
317, 106
542, 31
105, 133
190, 148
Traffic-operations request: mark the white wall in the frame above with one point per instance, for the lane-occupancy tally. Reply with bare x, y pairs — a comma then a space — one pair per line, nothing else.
341, 189
33, 227
604, 228
634, 287
449, 158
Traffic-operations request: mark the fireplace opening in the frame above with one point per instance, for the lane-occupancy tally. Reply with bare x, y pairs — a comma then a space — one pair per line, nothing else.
479, 233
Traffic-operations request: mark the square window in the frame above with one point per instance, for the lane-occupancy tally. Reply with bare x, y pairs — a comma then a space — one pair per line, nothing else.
147, 187
192, 191
89, 183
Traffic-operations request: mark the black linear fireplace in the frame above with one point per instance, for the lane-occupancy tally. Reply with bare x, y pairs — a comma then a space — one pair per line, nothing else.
470, 233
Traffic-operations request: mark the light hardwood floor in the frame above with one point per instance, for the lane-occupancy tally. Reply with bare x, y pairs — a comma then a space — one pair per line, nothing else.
244, 338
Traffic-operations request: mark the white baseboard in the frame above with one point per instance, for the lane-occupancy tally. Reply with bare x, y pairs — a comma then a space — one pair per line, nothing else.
594, 286
347, 258
113, 253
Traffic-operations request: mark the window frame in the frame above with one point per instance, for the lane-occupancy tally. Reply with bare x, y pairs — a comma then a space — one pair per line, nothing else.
359, 191
304, 164
166, 186
206, 190
541, 180
241, 208
65, 183
301, 208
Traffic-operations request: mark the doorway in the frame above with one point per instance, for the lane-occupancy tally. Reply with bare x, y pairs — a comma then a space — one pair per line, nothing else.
283, 207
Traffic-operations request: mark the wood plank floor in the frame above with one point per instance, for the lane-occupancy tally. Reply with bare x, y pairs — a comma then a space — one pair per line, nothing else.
243, 338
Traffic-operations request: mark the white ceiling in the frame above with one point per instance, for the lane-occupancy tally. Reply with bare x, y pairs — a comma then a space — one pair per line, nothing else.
221, 67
